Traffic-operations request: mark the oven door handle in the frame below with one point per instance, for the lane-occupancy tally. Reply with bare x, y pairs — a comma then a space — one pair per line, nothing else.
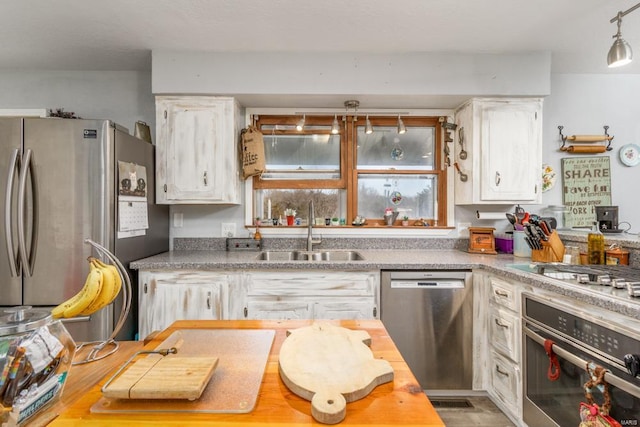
580, 363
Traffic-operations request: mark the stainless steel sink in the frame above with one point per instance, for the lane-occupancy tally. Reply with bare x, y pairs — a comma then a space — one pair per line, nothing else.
334, 255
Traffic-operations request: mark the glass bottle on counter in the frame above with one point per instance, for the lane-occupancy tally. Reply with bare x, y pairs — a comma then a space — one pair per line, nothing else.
595, 245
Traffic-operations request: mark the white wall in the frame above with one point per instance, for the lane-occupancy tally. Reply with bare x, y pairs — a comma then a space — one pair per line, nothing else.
581, 103
122, 96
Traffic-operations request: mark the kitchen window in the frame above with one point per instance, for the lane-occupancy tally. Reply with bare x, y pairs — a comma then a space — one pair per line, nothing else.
351, 172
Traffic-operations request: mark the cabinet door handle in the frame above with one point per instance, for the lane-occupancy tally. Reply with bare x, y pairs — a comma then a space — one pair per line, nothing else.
246, 312
499, 323
375, 312
501, 293
501, 372
209, 301
498, 178
204, 178
145, 288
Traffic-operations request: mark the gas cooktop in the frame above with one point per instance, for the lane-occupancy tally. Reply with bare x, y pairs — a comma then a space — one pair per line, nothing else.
616, 276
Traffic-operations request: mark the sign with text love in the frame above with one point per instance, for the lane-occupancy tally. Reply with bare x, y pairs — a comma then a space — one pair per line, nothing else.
586, 183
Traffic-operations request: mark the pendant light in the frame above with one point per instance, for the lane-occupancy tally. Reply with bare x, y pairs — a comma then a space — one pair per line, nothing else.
620, 53
335, 126
300, 124
401, 127
368, 129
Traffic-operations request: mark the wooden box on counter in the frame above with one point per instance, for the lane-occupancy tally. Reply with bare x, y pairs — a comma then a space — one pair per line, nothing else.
552, 250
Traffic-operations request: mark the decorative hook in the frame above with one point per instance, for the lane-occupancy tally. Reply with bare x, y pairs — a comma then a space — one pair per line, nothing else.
610, 138
564, 138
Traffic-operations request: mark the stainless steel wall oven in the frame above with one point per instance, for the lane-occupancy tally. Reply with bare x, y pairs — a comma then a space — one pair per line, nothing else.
581, 334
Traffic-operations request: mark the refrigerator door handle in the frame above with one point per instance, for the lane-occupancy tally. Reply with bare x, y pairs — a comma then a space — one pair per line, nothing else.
14, 261
27, 169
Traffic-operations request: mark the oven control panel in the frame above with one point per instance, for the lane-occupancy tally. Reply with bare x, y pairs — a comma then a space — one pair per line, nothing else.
612, 341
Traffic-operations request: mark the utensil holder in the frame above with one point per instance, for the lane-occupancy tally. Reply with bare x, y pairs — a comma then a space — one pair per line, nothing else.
552, 250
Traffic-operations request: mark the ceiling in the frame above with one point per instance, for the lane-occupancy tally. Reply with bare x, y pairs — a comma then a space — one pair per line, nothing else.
120, 34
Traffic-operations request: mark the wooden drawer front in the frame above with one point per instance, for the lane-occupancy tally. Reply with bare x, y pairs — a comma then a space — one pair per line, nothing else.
305, 283
505, 379
504, 328
276, 309
504, 294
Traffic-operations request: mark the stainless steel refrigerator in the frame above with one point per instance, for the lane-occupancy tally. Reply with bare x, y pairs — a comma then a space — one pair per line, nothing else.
61, 186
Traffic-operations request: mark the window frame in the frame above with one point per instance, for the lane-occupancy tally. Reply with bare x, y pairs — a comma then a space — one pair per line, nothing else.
349, 171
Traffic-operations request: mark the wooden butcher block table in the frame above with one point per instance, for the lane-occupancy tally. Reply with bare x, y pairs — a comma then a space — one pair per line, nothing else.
399, 402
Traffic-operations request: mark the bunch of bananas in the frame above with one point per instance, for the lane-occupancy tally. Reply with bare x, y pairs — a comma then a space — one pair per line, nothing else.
101, 287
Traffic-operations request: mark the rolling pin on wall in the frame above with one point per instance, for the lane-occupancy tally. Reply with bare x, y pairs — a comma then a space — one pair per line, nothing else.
585, 143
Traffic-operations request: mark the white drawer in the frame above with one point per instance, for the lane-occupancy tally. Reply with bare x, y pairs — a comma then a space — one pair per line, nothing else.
504, 294
504, 329
505, 380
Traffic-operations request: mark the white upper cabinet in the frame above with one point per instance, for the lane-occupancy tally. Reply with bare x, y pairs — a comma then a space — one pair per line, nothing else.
503, 142
197, 150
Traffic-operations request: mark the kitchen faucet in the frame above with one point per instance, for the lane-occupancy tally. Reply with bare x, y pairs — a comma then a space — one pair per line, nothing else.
310, 240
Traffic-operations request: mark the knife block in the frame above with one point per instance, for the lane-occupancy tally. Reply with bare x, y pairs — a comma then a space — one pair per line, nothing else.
552, 250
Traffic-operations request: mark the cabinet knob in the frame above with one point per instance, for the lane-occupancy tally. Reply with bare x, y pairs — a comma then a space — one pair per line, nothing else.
246, 312
498, 178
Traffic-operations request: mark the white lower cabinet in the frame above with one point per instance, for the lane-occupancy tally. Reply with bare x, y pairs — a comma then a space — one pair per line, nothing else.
167, 296
505, 378
310, 295
503, 375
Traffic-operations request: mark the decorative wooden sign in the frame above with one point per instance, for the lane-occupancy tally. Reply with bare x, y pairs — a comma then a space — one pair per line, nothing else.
586, 184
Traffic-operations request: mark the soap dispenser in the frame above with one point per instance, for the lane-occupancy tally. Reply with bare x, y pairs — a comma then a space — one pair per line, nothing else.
595, 245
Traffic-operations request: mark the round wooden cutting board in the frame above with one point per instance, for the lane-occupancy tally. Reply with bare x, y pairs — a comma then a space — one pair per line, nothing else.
330, 366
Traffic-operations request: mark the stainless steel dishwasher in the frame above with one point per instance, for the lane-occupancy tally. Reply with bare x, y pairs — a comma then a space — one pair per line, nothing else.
428, 314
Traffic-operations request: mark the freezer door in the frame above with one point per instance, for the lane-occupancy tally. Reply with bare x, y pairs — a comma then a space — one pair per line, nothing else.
10, 269
68, 160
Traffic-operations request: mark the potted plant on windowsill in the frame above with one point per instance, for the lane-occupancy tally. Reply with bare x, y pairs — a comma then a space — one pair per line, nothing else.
405, 221
290, 214
335, 221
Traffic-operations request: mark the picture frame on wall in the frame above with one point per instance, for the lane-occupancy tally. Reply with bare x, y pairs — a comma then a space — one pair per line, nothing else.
586, 183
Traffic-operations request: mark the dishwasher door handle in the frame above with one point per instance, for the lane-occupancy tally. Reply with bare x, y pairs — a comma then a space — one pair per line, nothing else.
427, 284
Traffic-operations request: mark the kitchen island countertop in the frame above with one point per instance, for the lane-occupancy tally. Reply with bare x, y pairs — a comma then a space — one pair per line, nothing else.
400, 402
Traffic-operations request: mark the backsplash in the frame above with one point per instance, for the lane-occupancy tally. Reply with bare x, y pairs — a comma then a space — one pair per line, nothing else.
196, 244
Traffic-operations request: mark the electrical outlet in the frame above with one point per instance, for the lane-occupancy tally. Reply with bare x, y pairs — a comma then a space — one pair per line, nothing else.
463, 228
228, 229
177, 219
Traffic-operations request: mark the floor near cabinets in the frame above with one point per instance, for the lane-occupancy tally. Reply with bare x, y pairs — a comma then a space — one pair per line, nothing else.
481, 413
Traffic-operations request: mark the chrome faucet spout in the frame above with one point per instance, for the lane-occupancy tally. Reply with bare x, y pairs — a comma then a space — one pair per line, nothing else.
310, 240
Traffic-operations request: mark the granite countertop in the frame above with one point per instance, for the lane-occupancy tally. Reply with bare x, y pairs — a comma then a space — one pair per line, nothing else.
507, 266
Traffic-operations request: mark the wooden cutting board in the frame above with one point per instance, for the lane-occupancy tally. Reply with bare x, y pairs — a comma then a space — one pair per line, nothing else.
233, 389
330, 366
169, 377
